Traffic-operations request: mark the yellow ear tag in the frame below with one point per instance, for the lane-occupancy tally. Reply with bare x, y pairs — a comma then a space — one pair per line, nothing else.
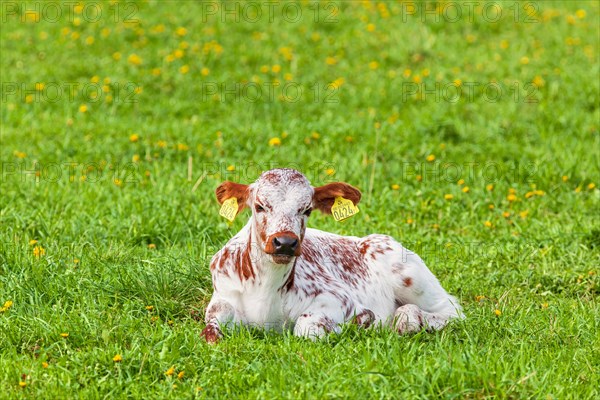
343, 208
229, 209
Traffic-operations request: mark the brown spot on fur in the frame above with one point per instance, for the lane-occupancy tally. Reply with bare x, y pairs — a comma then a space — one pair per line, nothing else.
289, 282
365, 318
407, 282
364, 247
325, 195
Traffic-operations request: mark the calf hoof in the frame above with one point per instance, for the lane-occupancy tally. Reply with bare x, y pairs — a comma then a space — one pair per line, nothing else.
408, 319
212, 334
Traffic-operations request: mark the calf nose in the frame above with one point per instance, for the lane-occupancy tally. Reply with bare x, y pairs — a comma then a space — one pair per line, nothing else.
285, 245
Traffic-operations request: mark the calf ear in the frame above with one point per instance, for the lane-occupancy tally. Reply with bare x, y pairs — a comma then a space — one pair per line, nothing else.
325, 195
227, 190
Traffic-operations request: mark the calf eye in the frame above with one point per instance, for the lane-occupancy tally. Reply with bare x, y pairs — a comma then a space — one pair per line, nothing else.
307, 212
259, 209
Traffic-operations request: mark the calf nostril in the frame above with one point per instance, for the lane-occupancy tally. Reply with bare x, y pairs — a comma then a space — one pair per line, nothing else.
276, 242
294, 244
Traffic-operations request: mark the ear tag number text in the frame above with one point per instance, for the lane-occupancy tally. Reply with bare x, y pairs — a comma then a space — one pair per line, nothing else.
343, 209
229, 209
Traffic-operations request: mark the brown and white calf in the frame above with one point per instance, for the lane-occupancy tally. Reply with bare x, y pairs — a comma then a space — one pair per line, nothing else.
276, 273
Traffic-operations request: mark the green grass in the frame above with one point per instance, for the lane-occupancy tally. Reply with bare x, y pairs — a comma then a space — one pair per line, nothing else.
101, 199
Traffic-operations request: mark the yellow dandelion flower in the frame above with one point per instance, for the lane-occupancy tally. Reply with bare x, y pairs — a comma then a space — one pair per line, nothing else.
264, 69
151, 246
511, 197
284, 134
135, 158
504, 44
578, 189
471, 38
591, 186
330, 61
134, 59
571, 20
544, 305
465, 189
19, 154
156, 71
479, 298
435, 226
488, 224
373, 65
83, 108
184, 69
44, 364
461, 182
154, 318
231, 168
39, 86
524, 214
565, 178
409, 221
395, 186
149, 308
118, 182
457, 82
276, 68
419, 178
134, 137
490, 187
407, 72
7, 304
181, 31
498, 312
315, 135
274, 141
506, 214
182, 147
491, 206
22, 384
448, 196
170, 371
39, 251
162, 144
426, 72
417, 79
180, 374
204, 71
64, 335
580, 14
524, 60
32, 242
116, 55
29, 99
538, 81
89, 40
288, 77
117, 358
170, 58
178, 53
430, 158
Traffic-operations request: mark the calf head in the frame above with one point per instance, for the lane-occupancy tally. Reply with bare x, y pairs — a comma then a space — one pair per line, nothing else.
281, 201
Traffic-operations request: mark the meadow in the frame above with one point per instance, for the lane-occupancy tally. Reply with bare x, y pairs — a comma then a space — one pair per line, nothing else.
472, 129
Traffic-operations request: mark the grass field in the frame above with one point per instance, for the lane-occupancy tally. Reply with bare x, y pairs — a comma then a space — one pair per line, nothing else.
471, 129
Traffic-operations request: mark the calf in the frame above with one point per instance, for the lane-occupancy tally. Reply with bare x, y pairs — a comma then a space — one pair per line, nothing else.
276, 272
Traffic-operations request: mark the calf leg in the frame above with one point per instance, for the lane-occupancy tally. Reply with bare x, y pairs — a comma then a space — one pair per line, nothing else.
322, 316
424, 302
219, 311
